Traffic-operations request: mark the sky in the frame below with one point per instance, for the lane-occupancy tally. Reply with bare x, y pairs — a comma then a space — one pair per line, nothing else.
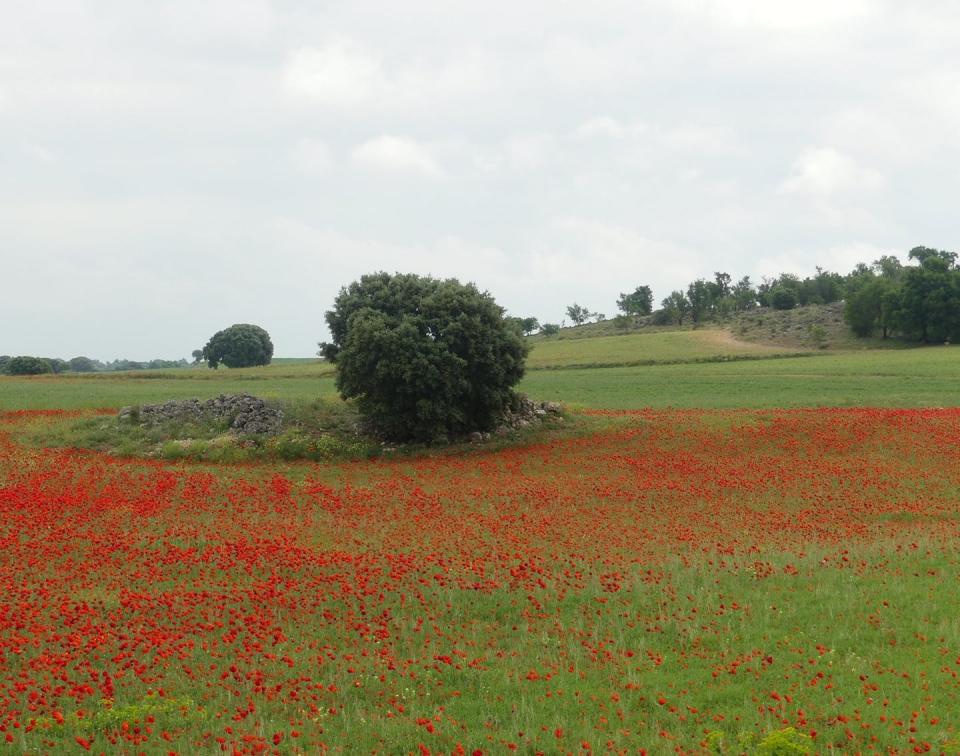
170, 168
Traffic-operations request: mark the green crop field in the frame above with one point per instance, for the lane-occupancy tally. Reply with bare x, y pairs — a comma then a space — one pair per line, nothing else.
646, 348
921, 377
687, 370
302, 381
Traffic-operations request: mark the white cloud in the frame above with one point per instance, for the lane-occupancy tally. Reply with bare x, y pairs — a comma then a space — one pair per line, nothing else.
214, 21
342, 73
595, 257
348, 257
570, 61
778, 15
398, 155
552, 152
839, 258
823, 171
528, 151
311, 156
869, 130
39, 153
600, 127
937, 93
700, 138
345, 74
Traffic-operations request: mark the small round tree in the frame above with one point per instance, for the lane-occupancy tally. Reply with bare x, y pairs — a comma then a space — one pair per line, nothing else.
424, 358
240, 345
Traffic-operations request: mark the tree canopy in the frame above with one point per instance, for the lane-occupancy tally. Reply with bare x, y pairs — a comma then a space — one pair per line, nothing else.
240, 345
637, 302
578, 314
423, 358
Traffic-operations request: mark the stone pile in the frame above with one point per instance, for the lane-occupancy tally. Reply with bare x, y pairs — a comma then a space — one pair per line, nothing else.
246, 414
524, 413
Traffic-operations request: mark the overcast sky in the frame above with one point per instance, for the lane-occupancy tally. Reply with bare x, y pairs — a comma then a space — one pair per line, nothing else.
170, 168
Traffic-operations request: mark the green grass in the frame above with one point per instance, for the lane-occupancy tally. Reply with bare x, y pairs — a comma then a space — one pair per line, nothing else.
891, 378
635, 594
921, 377
646, 348
320, 430
304, 382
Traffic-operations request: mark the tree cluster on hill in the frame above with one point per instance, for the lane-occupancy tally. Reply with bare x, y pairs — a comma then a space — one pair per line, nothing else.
704, 300
919, 301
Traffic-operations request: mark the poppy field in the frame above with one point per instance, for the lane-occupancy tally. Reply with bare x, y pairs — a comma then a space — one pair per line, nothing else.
690, 581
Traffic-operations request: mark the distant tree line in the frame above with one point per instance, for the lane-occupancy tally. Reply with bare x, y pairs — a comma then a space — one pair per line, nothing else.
715, 299
29, 365
919, 301
704, 300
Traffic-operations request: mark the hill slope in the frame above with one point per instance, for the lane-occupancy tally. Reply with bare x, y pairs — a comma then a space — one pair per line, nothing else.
652, 348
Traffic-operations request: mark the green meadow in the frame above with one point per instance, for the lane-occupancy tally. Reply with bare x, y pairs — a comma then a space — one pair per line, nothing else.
681, 369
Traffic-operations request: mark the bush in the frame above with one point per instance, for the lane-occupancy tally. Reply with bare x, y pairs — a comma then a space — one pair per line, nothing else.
28, 366
783, 299
818, 335
549, 329
425, 359
240, 345
661, 318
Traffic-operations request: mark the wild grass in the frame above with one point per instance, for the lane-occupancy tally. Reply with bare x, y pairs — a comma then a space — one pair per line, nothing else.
323, 430
690, 582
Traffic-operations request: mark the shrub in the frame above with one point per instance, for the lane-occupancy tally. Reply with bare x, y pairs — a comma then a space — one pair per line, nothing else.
549, 329
424, 358
240, 345
661, 318
786, 742
783, 299
818, 335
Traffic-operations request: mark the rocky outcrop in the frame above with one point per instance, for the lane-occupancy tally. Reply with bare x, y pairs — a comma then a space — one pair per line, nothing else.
245, 414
